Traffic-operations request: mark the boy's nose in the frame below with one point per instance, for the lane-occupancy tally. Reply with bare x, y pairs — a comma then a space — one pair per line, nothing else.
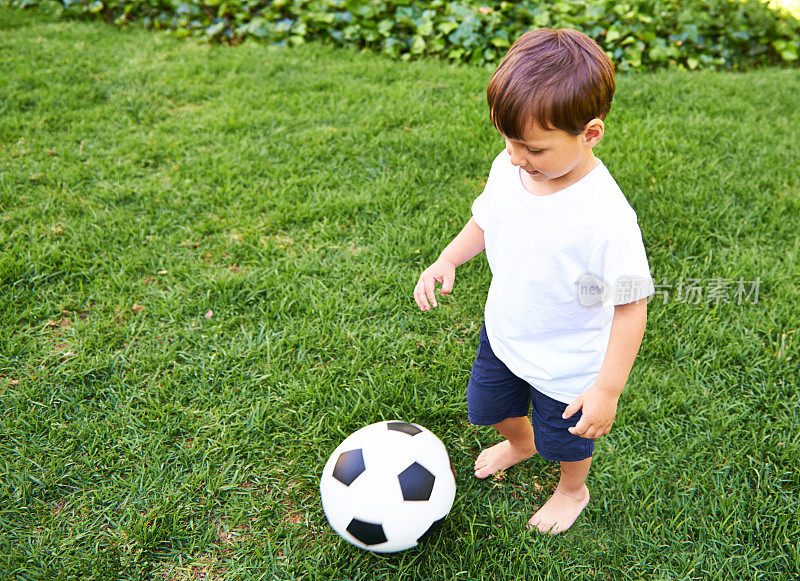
516, 159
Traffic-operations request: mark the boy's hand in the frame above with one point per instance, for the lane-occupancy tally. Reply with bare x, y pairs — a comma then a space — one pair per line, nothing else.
442, 271
599, 411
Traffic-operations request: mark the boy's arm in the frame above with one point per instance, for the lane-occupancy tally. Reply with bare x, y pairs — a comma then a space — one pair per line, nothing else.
467, 244
599, 402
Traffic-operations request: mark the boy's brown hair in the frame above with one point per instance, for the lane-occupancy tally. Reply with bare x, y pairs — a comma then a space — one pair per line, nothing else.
559, 78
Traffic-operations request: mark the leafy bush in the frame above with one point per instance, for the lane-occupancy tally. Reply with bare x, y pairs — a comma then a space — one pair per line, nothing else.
648, 34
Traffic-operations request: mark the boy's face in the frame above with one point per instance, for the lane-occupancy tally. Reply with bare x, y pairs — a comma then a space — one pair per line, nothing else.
555, 155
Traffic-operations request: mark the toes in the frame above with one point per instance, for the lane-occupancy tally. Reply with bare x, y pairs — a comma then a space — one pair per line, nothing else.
543, 527
553, 529
484, 472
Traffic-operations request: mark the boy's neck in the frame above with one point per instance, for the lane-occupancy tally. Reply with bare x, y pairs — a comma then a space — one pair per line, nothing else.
552, 186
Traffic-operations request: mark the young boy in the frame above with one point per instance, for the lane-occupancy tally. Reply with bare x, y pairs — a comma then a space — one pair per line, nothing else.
566, 308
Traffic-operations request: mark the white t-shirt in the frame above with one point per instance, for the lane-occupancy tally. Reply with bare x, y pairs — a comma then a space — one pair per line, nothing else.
559, 265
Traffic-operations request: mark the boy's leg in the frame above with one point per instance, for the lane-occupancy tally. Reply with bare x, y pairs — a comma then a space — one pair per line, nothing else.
517, 447
496, 397
555, 442
568, 501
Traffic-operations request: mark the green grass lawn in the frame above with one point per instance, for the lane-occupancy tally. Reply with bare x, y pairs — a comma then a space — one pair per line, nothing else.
208, 255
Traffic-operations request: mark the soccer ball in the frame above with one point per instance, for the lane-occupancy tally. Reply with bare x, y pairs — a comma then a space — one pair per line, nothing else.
387, 486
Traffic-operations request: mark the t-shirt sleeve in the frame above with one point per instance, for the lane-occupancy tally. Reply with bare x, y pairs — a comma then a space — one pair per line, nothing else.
621, 262
482, 206
480, 210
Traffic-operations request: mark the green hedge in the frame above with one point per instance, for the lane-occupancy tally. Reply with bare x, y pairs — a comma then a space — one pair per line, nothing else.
649, 34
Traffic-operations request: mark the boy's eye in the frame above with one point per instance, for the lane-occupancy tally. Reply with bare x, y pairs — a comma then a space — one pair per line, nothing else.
534, 151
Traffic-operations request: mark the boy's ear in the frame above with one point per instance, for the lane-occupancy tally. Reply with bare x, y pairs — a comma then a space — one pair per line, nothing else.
593, 132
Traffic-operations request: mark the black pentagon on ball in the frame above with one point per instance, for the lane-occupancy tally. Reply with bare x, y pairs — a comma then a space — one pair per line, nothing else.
366, 532
416, 482
349, 466
409, 429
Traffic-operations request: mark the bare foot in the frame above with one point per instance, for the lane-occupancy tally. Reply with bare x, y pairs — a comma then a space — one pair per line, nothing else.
560, 511
499, 457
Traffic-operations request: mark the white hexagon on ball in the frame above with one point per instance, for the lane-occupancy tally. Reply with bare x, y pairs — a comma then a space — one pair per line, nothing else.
387, 486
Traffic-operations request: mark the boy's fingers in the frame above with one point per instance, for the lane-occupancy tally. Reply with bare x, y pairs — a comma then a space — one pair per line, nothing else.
419, 295
430, 286
572, 408
579, 429
447, 285
423, 293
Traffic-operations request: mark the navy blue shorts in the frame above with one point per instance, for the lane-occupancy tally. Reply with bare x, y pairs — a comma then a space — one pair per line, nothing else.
495, 394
